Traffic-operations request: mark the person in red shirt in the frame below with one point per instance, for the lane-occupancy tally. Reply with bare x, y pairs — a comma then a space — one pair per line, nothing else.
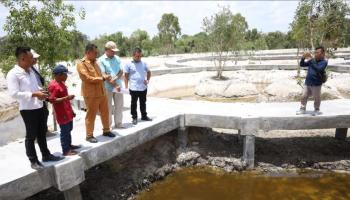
63, 110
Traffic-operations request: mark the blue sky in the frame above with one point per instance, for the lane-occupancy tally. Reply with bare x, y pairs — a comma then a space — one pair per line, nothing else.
127, 16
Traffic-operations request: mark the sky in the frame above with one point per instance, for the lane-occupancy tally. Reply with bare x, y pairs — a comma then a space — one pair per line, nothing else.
106, 17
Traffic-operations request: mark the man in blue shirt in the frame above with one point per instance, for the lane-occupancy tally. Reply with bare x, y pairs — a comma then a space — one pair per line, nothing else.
137, 76
313, 83
110, 64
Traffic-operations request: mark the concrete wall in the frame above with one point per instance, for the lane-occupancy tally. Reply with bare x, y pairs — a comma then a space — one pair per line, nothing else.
16, 127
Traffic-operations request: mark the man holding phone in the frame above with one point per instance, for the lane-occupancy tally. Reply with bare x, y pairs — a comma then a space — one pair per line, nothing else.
313, 82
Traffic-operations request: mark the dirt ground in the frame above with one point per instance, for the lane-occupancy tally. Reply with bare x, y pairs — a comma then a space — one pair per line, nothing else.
124, 176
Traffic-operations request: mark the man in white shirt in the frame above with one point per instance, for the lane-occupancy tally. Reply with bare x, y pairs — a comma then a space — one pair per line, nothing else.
23, 86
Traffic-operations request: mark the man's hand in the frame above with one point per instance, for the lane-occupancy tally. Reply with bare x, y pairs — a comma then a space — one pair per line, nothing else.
120, 74
117, 88
106, 77
40, 95
307, 55
146, 82
70, 97
112, 81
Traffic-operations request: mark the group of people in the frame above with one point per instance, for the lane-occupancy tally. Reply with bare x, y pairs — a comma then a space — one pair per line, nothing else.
101, 87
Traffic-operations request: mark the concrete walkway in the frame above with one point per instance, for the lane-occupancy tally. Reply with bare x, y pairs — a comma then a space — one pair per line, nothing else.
18, 180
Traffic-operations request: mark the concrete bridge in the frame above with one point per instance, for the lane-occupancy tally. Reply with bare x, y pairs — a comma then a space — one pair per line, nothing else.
18, 180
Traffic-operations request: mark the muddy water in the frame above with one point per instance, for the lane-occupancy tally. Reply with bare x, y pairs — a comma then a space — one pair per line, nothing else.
207, 184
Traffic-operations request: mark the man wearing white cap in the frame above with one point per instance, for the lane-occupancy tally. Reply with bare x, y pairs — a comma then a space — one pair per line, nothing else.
110, 65
41, 83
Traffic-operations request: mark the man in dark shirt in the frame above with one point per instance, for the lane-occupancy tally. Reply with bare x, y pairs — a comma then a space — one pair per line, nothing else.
313, 83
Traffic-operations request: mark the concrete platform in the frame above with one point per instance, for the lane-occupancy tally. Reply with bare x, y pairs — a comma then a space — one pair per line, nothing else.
18, 180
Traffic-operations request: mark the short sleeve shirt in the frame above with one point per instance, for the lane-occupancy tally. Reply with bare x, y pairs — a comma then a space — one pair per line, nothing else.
110, 66
137, 75
63, 109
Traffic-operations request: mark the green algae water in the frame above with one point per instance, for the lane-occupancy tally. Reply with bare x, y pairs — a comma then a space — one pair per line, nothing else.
209, 184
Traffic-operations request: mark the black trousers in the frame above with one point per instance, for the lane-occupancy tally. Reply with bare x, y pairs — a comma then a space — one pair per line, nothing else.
135, 95
36, 127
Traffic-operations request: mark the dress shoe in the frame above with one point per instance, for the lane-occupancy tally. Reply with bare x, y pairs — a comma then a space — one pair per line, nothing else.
52, 158
108, 134
70, 153
134, 121
36, 165
146, 119
75, 146
91, 139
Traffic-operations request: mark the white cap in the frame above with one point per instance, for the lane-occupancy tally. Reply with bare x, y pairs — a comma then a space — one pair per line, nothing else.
112, 46
35, 54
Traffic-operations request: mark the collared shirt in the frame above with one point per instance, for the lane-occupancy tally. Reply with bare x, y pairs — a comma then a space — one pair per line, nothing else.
21, 85
37, 76
63, 109
112, 67
314, 68
137, 75
91, 76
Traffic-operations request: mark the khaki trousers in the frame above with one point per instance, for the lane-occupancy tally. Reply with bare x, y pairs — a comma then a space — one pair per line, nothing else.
117, 110
93, 105
314, 91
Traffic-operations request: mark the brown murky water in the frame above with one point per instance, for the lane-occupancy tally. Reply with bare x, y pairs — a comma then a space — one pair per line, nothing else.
208, 184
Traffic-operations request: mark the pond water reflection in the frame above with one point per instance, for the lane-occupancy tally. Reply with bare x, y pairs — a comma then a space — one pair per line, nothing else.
209, 184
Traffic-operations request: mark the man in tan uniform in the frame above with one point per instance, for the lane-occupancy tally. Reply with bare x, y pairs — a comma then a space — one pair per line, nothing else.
94, 92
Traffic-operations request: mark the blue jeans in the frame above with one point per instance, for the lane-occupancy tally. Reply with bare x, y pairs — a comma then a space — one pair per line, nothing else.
66, 138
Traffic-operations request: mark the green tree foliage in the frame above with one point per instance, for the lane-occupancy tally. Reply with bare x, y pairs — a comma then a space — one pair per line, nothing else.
226, 33
140, 38
239, 27
78, 43
200, 42
185, 44
45, 28
277, 40
320, 22
118, 37
345, 38
169, 30
254, 40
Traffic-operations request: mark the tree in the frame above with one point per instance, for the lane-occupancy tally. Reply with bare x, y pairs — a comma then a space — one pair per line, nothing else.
118, 37
169, 30
239, 28
201, 42
78, 43
185, 44
320, 22
276, 40
225, 33
45, 28
140, 38
345, 39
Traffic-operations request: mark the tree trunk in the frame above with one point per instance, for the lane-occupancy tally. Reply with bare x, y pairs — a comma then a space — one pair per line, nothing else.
298, 68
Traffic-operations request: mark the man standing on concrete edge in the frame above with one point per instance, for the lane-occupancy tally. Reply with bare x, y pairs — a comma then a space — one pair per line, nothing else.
41, 82
23, 86
110, 64
137, 76
94, 93
313, 82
